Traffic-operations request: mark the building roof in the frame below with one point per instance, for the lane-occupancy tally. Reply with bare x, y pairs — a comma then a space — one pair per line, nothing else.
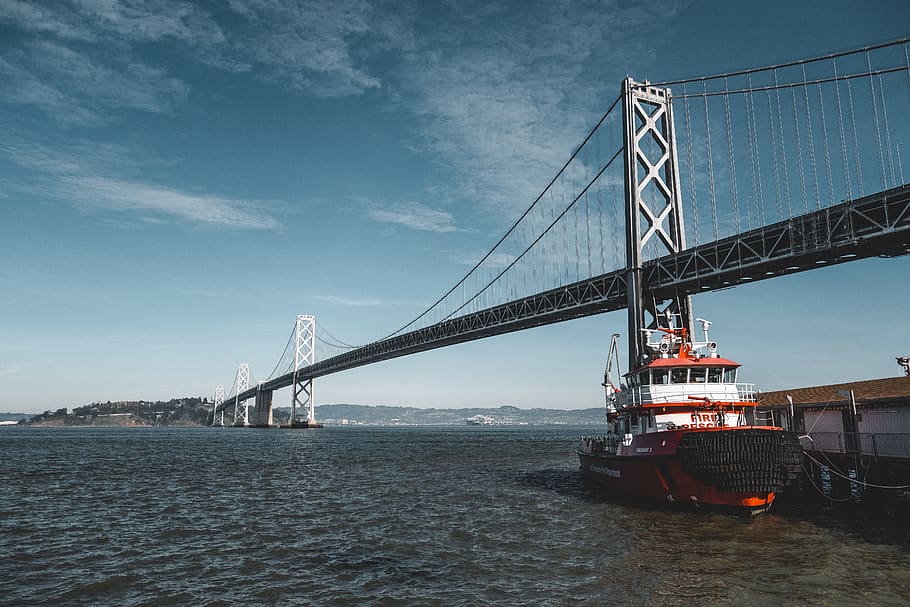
865, 392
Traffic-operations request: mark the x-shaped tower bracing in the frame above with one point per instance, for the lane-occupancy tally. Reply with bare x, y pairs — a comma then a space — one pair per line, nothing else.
653, 203
242, 409
304, 356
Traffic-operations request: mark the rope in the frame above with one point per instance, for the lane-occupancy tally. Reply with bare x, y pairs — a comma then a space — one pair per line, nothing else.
857, 481
819, 489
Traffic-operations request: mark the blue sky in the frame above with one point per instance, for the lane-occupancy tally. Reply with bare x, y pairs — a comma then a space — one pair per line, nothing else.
178, 180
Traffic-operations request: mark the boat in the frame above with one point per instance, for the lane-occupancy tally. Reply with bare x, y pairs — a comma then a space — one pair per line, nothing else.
682, 430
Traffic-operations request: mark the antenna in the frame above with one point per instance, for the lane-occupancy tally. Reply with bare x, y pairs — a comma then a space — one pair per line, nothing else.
704, 327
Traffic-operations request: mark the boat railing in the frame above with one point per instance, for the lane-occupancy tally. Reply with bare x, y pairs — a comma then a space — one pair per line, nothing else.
599, 444
880, 444
668, 393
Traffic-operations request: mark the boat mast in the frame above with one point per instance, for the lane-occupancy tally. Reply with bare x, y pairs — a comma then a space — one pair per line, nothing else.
610, 389
653, 204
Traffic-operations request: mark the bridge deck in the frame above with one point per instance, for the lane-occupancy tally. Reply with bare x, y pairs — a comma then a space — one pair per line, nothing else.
877, 225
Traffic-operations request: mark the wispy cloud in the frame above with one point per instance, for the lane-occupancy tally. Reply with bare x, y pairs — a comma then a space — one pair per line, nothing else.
319, 47
77, 88
96, 182
502, 92
504, 111
120, 195
349, 301
412, 215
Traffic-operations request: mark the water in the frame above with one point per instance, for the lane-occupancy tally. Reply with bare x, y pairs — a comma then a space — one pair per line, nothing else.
389, 516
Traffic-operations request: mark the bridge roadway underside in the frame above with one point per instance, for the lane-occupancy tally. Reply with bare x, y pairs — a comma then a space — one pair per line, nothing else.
877, 225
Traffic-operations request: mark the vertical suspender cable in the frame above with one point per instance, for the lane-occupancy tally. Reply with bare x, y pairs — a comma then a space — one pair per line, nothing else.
600, 226
827, 154
878, 132
843, 139
811, 139
799, 152
783, 149
577, 251
710, 164
731, 159
691, 162
588, 234
881, 90
774, 160
859, 169
754, 165
565, 242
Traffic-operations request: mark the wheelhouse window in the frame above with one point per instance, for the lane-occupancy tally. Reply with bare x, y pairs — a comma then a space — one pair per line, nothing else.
679, 376
715, 375
730, 375
661, 376
645, 377
698, 375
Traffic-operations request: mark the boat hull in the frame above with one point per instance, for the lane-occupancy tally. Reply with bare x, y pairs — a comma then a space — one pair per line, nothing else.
740, 469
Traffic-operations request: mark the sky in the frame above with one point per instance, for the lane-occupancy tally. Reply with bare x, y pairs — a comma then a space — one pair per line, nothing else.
179, 180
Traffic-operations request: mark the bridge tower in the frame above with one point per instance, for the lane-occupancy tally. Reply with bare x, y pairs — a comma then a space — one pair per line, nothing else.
653, 208
242, 415
304, 355
218, 401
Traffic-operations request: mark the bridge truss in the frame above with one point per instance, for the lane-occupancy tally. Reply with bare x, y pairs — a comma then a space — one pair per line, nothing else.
873, 226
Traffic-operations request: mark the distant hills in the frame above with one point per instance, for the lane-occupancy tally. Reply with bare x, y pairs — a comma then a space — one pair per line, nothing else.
387, 415
197, 412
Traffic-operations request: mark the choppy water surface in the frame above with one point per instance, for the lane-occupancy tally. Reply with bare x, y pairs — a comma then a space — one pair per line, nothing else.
423, 516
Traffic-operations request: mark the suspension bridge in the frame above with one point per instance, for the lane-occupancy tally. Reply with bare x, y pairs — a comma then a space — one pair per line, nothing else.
681, 187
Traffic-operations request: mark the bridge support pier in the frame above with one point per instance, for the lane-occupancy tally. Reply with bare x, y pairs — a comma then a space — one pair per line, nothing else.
263, 411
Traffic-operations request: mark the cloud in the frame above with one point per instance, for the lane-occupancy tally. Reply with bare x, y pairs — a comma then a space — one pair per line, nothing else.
348, 301
90, 176
508, 91
128, 196
306, 46
319, 47
94, 20
77, 88
413, 215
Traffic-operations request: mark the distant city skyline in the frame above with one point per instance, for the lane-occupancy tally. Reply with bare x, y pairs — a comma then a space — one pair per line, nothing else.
180, 180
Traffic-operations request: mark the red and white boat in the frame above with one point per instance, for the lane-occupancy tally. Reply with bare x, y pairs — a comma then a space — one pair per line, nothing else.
682, 430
